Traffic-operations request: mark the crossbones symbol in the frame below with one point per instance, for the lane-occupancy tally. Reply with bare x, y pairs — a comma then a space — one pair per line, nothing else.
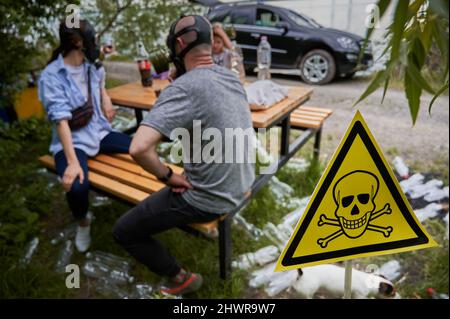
354, 195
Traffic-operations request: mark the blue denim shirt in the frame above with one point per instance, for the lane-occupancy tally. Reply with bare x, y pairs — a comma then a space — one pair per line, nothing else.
60, 95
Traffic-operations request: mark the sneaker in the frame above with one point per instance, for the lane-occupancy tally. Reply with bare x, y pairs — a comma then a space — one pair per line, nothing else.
83, 238
191, 283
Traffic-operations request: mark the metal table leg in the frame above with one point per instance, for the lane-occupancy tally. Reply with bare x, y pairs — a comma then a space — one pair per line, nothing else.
225, 247
317, 144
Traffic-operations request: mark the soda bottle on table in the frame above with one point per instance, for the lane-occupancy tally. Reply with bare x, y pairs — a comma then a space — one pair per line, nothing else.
144, 65
264, 59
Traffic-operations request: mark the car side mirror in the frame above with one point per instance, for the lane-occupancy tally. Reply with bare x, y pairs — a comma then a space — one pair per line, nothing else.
283, 25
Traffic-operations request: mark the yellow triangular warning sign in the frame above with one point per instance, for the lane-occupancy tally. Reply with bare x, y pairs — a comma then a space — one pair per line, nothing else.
357, 209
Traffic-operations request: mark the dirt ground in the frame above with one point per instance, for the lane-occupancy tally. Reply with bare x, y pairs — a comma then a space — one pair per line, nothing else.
423, 146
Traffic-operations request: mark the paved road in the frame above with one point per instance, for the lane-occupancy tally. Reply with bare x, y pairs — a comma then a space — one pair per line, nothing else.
422, 145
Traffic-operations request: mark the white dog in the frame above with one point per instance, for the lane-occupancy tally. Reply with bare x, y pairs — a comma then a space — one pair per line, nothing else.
330, 279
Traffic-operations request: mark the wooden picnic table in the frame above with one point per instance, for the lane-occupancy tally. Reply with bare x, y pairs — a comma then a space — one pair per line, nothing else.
134, 95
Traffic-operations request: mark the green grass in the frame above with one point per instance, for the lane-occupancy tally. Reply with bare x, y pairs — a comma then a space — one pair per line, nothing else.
31, 207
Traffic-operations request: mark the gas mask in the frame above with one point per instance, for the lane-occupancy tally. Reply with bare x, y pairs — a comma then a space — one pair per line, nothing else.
201, 27
90, 48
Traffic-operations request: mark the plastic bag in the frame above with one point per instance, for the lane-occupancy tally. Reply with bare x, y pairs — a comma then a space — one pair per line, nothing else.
263, 94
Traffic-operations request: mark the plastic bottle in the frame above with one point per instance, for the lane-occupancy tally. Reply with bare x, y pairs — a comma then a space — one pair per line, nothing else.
65, 234
401, 167
110, 260
64, 256
100, 270
237, 62
31, 248
144, 65
109, 289
264, 59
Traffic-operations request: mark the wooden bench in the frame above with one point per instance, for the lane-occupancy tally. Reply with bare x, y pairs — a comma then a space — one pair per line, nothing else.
310, 117
120, 176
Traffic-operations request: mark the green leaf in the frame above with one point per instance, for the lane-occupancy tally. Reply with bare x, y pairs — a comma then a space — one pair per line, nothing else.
413, 93
438, 93
386, 85
380, 77
440, 7
398, 26
417, 77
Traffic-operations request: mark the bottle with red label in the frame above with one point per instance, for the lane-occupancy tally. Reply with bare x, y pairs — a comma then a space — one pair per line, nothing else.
144, 65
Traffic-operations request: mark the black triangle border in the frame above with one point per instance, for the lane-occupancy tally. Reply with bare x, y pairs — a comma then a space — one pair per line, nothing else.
357, 129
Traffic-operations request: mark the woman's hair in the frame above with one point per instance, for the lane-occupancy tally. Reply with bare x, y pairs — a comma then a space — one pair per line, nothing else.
68, 37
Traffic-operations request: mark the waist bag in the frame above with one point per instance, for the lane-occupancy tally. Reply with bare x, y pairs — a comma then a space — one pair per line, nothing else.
82, 115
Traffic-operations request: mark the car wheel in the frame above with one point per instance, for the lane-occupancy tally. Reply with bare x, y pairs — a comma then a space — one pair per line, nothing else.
317, 67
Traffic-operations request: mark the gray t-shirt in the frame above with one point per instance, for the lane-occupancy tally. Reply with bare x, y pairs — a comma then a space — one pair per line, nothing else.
214, 96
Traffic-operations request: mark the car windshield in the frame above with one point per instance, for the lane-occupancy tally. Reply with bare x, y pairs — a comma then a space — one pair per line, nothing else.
303, 21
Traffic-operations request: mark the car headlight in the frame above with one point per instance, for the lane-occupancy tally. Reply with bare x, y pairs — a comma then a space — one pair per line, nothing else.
348, 44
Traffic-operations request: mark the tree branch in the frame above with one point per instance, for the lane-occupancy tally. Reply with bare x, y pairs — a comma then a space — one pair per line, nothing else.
114, 18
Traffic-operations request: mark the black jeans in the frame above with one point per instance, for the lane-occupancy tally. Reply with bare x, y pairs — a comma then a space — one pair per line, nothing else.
161, 211
78, 196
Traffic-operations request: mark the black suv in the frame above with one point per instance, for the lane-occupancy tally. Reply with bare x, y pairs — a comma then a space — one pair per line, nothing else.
318, 54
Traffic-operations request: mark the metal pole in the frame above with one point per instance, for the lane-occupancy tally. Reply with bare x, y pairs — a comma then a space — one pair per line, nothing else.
349, 14
333, 10
348, 280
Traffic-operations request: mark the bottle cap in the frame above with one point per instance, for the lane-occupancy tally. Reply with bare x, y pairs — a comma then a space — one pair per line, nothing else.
264, 38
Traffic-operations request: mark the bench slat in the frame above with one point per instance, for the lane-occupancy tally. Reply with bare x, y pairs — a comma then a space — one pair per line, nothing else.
105, 184
307, 117
125, 192
128, 158
316, 109
125, 165
143, 183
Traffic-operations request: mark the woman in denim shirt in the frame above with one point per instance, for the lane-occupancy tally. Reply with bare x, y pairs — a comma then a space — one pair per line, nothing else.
63, 87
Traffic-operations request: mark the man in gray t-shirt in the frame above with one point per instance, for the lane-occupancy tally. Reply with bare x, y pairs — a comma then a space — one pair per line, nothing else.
207, 108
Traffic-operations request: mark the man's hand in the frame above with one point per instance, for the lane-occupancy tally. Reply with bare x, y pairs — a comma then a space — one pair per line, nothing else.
179, 183
72, 171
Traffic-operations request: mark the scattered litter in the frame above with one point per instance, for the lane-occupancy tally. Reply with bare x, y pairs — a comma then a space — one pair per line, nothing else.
66, 233
280, 189
435, 295
430, 211
29, 251
111, 290
64, 256
400, 167
262, 276
277, 236
251, 229
282, 282
391, 270
293, 217
260, 257
413, 181
101, 201
97, 269
424, 189
111, 260
436, 194
297, 163
142, 291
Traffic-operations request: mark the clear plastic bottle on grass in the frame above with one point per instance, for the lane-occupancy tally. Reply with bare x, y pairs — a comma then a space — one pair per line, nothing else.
110, 260
100, 270
29, 251
64, 256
